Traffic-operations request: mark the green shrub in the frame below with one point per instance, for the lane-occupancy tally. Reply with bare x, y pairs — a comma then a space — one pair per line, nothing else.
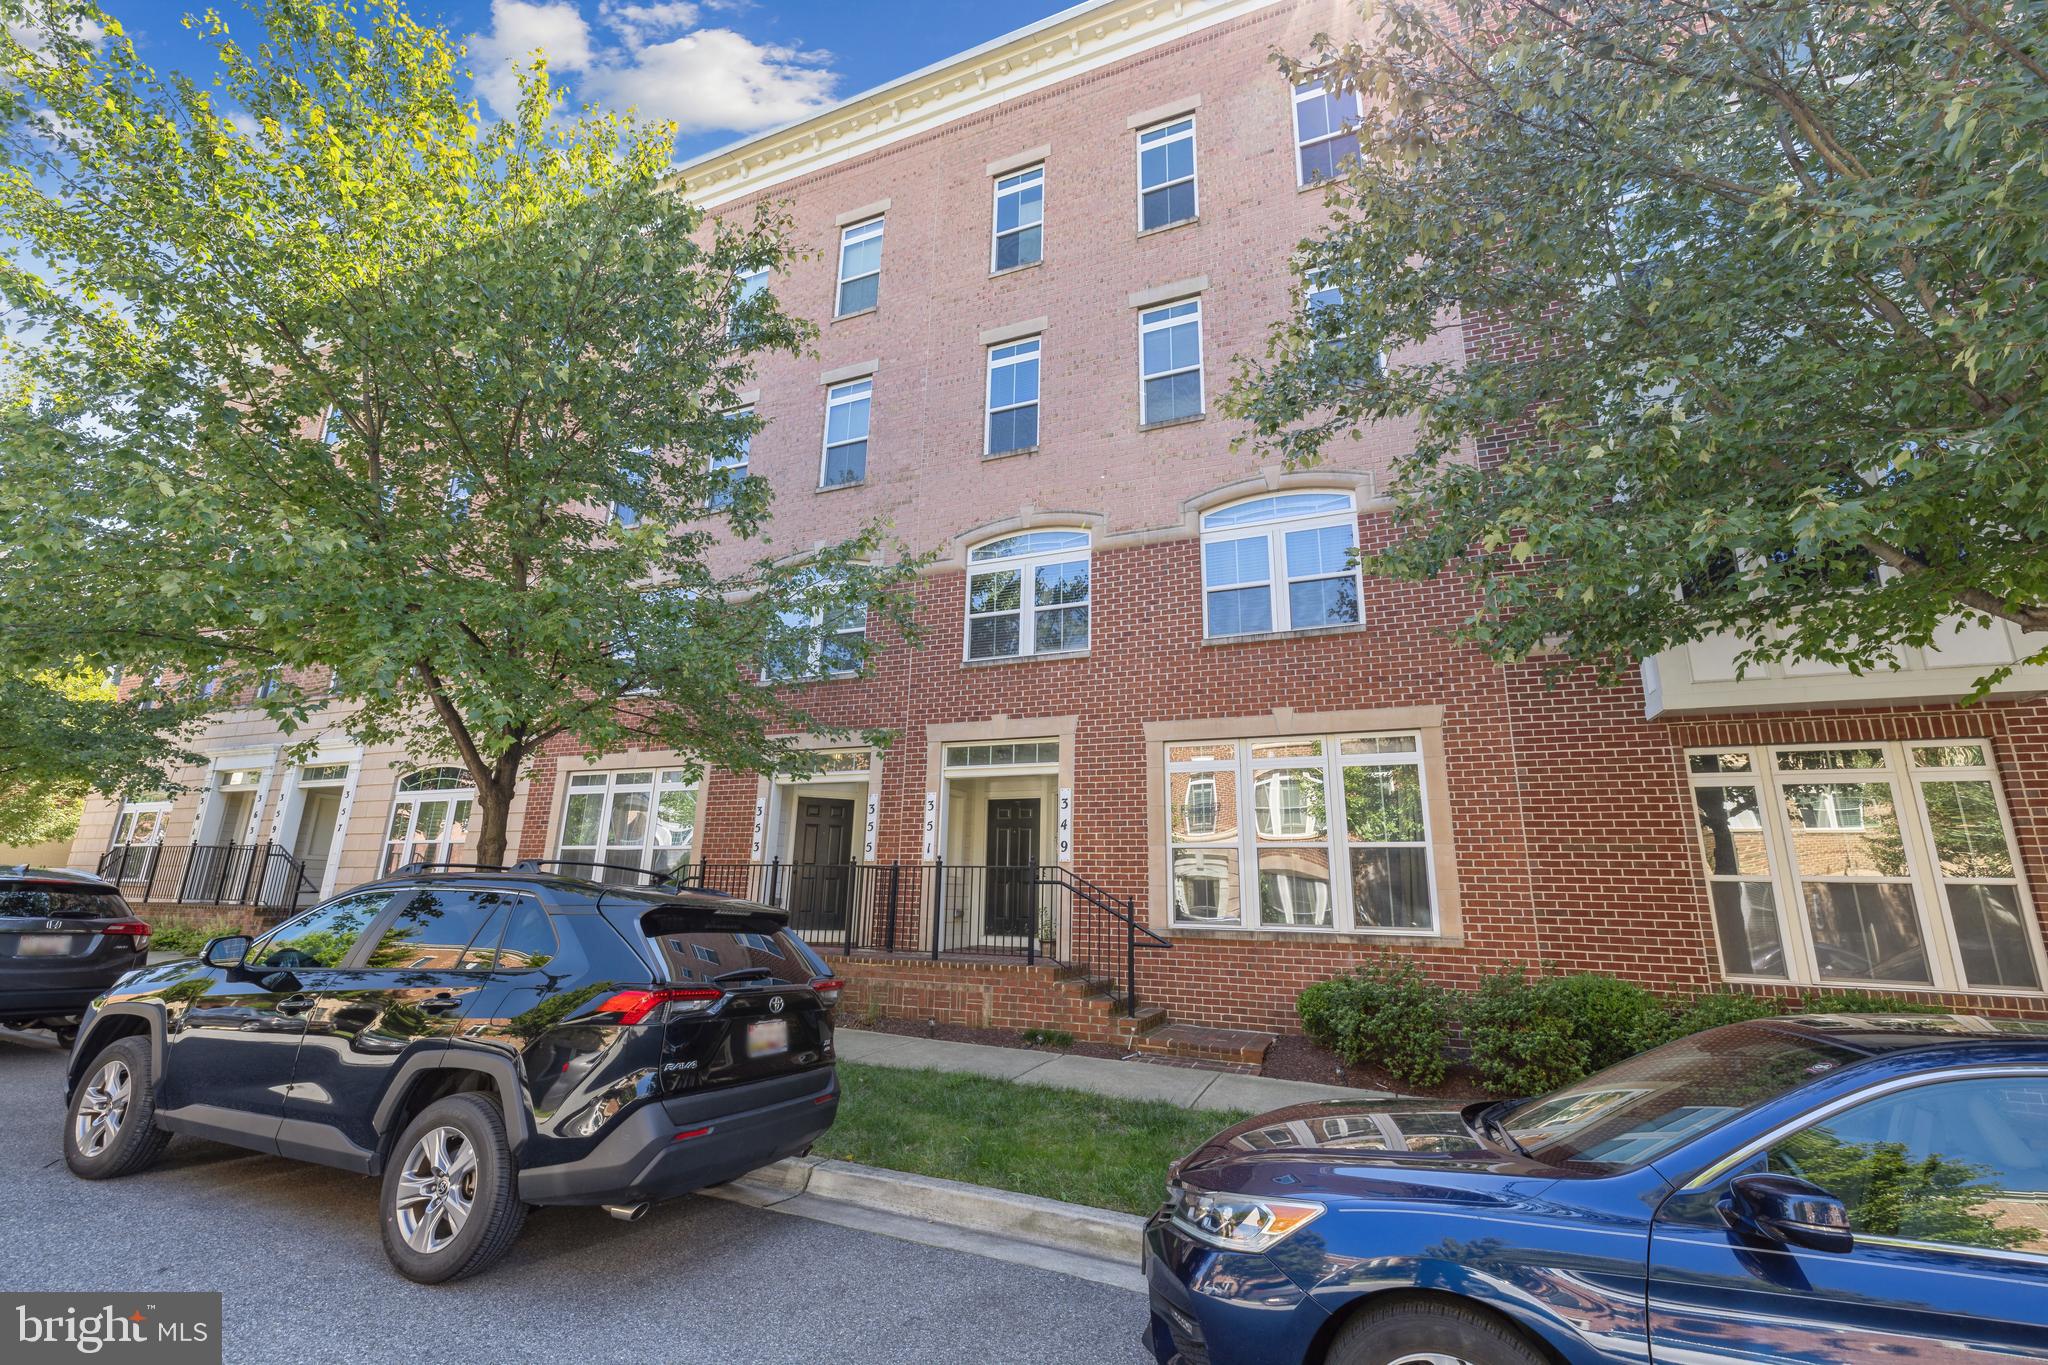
1048, 1037
187, 937
1703, 1012
1384, 1013
1530, 1034
1863, 1002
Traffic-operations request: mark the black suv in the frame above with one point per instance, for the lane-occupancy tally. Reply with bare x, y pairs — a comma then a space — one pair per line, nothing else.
64, 938
486, 1040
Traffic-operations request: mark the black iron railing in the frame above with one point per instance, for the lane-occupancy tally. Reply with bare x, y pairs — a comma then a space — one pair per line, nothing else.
947, 910
266, 876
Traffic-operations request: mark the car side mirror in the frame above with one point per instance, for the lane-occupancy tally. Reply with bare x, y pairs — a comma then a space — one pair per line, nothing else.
229, 950
1789, 1211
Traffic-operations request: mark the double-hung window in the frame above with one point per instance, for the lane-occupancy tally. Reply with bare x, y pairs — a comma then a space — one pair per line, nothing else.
846, 433
1325, 131
1012, 397
645, 819
626, 511
1301, 832
1170, 362
1280, 562
752, 283
1166, 174
730, 465
1883, 863
860, 267
1020, 220
1028, 594
833, 641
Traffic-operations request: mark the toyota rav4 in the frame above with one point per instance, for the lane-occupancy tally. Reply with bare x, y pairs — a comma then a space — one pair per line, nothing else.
484, 1041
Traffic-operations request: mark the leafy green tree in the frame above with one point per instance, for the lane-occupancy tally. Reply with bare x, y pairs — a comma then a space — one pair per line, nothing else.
1753, 291
63, 732
331, 372
1892, 1194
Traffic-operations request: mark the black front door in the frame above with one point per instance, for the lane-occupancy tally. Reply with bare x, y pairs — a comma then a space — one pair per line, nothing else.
820, 885
1012, 855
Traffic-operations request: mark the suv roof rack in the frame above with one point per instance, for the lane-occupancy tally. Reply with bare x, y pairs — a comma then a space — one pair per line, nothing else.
537, 864
428, 865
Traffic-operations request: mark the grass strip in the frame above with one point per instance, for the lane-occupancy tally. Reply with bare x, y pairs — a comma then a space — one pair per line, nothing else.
1059, 1144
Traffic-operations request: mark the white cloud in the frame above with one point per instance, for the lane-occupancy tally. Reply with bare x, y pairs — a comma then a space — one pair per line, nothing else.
653, 57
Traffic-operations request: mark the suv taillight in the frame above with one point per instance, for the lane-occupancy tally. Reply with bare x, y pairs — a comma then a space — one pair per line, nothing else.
828, 988
634, 1006
130, 928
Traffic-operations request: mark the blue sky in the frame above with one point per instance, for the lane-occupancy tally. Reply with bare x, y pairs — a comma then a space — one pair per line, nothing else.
718, 68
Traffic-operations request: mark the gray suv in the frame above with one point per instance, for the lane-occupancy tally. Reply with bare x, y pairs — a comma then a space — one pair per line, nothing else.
65, 938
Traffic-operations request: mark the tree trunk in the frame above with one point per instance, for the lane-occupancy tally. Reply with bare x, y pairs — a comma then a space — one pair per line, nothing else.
494, 814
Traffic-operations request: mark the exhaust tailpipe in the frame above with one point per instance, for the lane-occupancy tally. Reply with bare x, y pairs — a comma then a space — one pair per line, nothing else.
628, 1213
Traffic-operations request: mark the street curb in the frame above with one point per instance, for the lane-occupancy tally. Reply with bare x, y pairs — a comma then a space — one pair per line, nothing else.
1073, 1228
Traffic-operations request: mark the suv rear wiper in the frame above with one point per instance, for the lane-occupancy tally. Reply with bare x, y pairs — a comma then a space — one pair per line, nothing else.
743, 974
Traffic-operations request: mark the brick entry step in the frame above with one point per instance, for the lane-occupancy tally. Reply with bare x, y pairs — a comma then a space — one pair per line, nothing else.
1001, 993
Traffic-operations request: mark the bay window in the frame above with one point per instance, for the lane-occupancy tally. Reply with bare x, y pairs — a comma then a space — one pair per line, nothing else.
1895, 861
1310, 832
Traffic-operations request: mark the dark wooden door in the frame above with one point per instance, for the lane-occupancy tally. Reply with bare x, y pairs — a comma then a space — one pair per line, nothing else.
1012, 856
821, 879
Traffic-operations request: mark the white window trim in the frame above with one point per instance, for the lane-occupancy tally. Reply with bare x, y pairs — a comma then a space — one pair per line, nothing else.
1301, 95
738, 467
1194, 175
658, 776
122, 820
814, 658
1026, 567
443, 846
842, 395
1159, 323
988, 389
1916, 833
1337, 842
1277, 581
996, 232
849, 235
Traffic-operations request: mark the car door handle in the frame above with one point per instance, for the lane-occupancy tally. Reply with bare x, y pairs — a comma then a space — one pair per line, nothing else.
297, 1004
440, 1004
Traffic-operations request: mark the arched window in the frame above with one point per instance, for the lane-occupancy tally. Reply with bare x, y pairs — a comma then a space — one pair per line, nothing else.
1280, 562
1028, 594
429, 817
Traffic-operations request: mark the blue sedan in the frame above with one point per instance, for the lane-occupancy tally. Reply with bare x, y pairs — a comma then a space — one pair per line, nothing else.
1820, 1190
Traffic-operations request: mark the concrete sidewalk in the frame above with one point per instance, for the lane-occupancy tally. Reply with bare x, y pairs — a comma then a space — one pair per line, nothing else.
1187, 1087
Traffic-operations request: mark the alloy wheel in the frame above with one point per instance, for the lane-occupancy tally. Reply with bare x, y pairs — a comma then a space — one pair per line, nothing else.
102, 1109
436, 1188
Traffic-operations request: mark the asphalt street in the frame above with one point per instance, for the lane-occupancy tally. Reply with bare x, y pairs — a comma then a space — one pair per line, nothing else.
295, 1252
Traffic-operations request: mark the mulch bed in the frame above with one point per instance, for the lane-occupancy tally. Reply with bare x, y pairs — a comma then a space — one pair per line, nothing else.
1294, 1058
992, 1037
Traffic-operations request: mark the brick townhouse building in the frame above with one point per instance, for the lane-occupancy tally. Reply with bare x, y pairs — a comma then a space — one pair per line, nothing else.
1158, 722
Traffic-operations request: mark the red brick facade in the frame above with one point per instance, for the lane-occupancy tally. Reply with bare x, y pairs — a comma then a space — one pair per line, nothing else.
1570, 823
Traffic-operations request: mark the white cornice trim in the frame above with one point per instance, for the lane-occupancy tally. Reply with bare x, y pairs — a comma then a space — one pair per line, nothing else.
1069, 44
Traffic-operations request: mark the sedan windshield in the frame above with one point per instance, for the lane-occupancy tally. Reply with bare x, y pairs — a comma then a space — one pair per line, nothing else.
1633, 1112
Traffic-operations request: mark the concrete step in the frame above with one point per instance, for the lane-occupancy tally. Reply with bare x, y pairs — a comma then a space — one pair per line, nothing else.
1242, 1047
1131, 1029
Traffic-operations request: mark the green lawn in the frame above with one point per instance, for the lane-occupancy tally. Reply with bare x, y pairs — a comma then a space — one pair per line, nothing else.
1061, 1144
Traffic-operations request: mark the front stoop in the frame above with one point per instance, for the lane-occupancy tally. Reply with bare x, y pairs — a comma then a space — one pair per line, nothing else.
1012, 995
1231, 1046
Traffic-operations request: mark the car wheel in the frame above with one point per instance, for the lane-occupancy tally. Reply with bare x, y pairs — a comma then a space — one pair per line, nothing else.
110, 1129
1430, 1332
450, 1203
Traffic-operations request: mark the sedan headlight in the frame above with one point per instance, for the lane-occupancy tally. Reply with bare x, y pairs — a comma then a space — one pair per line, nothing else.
1240, 1222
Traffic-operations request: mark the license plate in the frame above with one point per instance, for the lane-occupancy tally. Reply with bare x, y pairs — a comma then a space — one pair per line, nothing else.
42, 945
766, 1037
